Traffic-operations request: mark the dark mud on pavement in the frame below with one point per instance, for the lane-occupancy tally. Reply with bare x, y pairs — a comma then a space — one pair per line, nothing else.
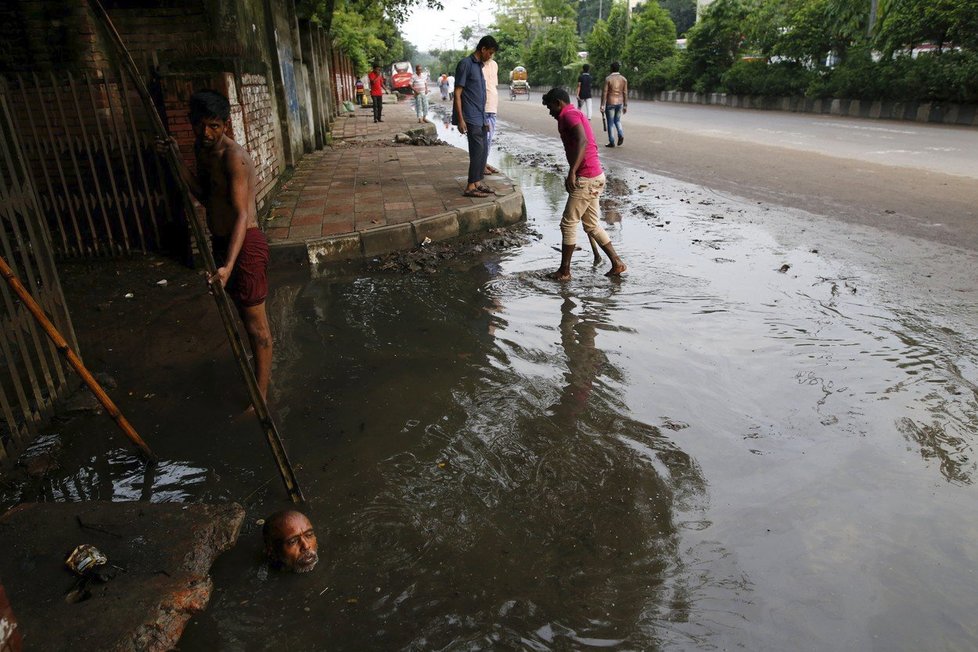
761, 438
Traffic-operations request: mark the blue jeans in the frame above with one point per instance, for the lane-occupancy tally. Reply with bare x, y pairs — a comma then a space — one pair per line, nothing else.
478, 152
421, 105
612, 114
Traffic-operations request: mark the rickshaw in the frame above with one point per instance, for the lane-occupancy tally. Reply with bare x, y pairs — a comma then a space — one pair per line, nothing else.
518, 84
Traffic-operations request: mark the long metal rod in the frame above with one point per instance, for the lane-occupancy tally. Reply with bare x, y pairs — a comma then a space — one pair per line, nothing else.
72, 357
220, 297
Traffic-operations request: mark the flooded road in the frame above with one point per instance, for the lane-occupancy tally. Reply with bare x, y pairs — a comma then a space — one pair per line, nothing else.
762, 438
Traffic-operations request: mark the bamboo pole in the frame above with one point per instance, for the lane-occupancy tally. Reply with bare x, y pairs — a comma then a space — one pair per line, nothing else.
220, 297
72, 358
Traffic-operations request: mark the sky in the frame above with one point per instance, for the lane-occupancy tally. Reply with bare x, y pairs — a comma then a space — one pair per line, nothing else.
430, 29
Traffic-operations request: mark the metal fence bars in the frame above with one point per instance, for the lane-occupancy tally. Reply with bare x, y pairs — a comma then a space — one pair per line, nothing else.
32, 373
87, 142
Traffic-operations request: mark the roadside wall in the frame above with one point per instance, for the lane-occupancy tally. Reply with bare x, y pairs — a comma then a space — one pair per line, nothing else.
952, 114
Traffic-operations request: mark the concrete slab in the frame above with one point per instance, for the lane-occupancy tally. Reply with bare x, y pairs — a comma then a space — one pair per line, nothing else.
163, 551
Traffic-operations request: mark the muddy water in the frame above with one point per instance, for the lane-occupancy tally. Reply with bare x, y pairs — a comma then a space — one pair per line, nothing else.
761, 438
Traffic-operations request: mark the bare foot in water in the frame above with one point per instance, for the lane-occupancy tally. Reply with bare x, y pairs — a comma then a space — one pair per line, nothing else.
561, 275
616, 270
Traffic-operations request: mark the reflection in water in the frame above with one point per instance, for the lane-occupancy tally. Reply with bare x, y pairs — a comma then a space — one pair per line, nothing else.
121, 476
708, 455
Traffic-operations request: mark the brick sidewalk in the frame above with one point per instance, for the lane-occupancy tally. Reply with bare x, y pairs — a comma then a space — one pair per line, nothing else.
365, 182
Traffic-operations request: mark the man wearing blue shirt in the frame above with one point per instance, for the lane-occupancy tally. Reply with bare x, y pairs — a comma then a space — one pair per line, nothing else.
469, 112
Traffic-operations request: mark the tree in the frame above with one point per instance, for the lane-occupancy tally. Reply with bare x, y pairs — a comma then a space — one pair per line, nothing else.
514, 38
606, 41
466, 34
601, 50
618, 23
651, 39
552, 49
589, 12
554, 11
323, 11
713, 44
682, 12
904, 24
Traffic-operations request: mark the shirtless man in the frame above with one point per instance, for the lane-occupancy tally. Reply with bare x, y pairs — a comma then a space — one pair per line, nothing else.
614, 103
225, 184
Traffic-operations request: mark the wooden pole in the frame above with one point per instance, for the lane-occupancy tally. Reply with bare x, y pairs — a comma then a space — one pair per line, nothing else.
72, 358
220, 297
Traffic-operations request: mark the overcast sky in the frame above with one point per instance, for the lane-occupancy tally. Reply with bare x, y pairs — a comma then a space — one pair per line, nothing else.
429, 28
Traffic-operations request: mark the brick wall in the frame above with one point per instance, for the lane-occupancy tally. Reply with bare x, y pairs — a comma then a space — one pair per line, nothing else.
48, 34
252, 122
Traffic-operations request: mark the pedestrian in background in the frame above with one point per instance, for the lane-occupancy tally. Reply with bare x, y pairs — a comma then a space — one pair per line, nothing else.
469, 112
614, 102
584, 91
443, 86
585, 182
378, 86
360, 91
419, 84
490, 70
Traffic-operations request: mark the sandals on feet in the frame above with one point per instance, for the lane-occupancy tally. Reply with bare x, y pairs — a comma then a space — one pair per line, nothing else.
486, 189
475, 193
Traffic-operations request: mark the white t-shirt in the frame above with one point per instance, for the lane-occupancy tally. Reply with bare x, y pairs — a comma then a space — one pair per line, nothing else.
490, 70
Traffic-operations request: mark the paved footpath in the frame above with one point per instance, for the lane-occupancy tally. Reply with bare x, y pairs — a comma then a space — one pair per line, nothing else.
366, 195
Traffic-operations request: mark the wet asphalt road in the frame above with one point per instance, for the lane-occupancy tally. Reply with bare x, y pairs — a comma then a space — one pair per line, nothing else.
909, 178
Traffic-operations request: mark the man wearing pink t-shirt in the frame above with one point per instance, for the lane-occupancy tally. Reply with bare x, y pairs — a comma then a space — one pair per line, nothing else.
585, 182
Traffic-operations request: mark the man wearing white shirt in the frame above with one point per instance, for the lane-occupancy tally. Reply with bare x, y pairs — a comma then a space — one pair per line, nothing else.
490, 70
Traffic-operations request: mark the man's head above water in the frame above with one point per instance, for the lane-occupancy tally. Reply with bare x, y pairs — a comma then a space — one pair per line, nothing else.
290, 542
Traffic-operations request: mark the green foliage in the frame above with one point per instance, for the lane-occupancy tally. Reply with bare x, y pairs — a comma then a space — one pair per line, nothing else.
618, 22
606, 42
587, 15
552, 49
352, 35
514, 38
555, 11
949, 77
682, 13
652, 38
758, 77
661, 76
601, 49
446, 60
713, 44
904, 24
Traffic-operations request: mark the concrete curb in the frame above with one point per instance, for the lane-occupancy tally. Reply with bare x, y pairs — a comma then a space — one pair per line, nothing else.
949, 114
504, 211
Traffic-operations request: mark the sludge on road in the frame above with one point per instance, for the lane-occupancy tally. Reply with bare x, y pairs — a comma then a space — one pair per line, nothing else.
762, 437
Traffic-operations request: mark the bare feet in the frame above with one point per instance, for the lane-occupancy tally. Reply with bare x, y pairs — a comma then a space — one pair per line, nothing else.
561, 275
616, 270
